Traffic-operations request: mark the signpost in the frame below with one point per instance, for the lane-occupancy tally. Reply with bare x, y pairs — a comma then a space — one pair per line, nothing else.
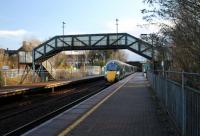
5, 68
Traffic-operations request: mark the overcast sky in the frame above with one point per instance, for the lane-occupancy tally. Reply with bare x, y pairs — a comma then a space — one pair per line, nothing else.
42, 19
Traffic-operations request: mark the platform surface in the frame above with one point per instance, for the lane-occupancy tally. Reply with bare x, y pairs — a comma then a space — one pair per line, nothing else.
124, 109
129, 112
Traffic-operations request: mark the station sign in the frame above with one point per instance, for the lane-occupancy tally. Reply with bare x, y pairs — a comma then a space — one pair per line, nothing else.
5, 67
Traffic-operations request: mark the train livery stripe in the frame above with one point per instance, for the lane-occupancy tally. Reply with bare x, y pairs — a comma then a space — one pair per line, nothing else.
77, 122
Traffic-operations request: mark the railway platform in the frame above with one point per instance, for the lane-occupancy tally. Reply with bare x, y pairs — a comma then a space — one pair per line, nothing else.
7, 91
123, 109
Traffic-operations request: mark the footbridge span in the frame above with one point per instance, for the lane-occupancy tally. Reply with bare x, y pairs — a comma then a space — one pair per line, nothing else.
91, 42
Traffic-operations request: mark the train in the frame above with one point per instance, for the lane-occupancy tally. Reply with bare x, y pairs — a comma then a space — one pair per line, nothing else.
116, 70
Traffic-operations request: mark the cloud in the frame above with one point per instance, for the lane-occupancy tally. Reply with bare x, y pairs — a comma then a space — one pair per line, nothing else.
13, 33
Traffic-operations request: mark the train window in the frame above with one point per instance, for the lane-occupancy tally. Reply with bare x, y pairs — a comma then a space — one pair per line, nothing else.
111, 67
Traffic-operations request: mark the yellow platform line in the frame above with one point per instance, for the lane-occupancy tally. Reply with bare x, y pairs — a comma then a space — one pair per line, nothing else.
77, 122
135, 86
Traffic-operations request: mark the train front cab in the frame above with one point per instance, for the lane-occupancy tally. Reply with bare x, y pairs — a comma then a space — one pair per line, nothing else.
112, 72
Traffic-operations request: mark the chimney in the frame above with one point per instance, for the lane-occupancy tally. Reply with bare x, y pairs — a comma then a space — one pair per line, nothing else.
24, 43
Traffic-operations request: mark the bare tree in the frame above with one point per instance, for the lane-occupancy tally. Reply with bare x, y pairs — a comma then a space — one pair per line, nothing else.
119, 55
101, 57
184, 29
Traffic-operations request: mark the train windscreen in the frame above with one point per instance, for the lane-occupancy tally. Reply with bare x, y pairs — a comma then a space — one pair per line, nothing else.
111, 67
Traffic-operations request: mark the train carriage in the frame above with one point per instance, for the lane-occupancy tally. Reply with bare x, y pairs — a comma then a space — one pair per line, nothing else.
116, 70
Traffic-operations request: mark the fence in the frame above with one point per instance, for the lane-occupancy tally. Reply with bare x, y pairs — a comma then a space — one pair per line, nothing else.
180, 100
16, 76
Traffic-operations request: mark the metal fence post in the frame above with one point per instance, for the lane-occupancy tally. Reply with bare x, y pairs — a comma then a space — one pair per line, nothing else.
183, 105
166, 91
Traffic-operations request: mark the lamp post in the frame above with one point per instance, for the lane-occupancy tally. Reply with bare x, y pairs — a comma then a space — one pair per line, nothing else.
114, 53
63, 26
117, 29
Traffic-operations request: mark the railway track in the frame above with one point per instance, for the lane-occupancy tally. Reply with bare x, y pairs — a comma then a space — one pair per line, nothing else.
19, 120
